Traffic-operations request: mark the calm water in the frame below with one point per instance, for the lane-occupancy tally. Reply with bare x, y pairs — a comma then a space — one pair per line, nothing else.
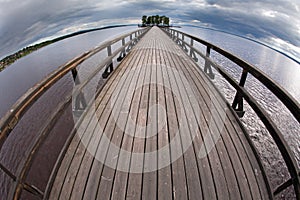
23, 74
280, 68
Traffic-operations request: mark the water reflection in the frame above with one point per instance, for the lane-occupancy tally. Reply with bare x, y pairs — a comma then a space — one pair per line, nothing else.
280, 68
16, 80
24, 73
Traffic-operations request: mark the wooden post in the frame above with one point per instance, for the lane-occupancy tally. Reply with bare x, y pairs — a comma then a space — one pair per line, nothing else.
183, 43
110, 66
237, 103
130, 45
122, 53
192, 52
207, 66
80, 102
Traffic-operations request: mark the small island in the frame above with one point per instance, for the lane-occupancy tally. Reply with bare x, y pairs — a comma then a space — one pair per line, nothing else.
155, 20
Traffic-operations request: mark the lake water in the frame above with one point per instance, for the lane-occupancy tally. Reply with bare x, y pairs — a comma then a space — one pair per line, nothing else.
280, 68
16, 79
26, 72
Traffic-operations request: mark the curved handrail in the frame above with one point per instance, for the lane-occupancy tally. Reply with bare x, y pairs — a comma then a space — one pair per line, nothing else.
292, 105
289, 101
12, 117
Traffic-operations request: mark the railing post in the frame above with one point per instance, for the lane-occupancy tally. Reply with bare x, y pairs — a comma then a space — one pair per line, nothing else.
80, 102
174, 34
179, 42
110, 66
183, 44
130, 45
207, 65
237, 103
192, 52
122, 53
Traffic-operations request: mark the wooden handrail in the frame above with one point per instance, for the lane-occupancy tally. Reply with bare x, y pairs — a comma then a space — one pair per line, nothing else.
292, 105
275, 88
17, 111
11, 118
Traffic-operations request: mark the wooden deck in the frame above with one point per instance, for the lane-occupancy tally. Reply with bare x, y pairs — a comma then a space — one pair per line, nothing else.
163, 132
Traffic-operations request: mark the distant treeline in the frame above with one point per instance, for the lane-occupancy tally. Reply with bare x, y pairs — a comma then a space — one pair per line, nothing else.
8, 60
155, 20
27, 50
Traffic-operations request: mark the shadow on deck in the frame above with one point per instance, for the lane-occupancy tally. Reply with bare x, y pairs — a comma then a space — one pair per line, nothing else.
156, 128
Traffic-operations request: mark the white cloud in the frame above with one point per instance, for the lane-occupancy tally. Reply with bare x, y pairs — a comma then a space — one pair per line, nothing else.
284, 46
269, 13
85, 26
22, 21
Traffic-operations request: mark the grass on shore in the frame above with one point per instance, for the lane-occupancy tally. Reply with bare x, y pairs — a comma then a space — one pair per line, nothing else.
8, 60
21, 53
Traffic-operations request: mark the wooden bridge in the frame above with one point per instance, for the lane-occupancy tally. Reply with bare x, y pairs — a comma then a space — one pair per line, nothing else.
157, 129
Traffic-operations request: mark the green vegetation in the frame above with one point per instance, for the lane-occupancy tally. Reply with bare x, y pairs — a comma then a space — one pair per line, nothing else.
27, 50
155, 20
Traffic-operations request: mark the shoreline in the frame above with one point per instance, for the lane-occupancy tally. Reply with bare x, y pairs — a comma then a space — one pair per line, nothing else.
10, 59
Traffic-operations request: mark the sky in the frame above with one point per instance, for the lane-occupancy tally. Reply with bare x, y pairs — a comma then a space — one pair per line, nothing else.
27, 22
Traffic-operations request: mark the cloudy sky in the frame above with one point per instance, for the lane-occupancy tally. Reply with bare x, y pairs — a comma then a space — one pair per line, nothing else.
26, 22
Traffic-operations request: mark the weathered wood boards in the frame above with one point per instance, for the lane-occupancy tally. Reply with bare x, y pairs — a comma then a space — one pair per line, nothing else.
160, 130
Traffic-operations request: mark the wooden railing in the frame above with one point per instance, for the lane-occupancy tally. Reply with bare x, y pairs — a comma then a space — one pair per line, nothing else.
17, 111
242, 94
11, 119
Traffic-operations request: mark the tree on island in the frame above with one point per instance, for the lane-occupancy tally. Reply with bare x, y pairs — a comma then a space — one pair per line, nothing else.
144, 19
166, 21
155, 20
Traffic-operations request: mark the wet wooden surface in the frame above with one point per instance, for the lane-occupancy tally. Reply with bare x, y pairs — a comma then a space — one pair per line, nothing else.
163, 132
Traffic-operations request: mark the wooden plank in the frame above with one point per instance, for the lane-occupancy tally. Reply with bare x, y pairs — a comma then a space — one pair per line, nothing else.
223, 154
250, 164
165, 174
187, 117
150, 162
192, 191
242, 177
178, 174
84, 170
137, 162
192, 112
62, 172
124, 103
239, 140
233, 154
95, 176
64, 167
121, 178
